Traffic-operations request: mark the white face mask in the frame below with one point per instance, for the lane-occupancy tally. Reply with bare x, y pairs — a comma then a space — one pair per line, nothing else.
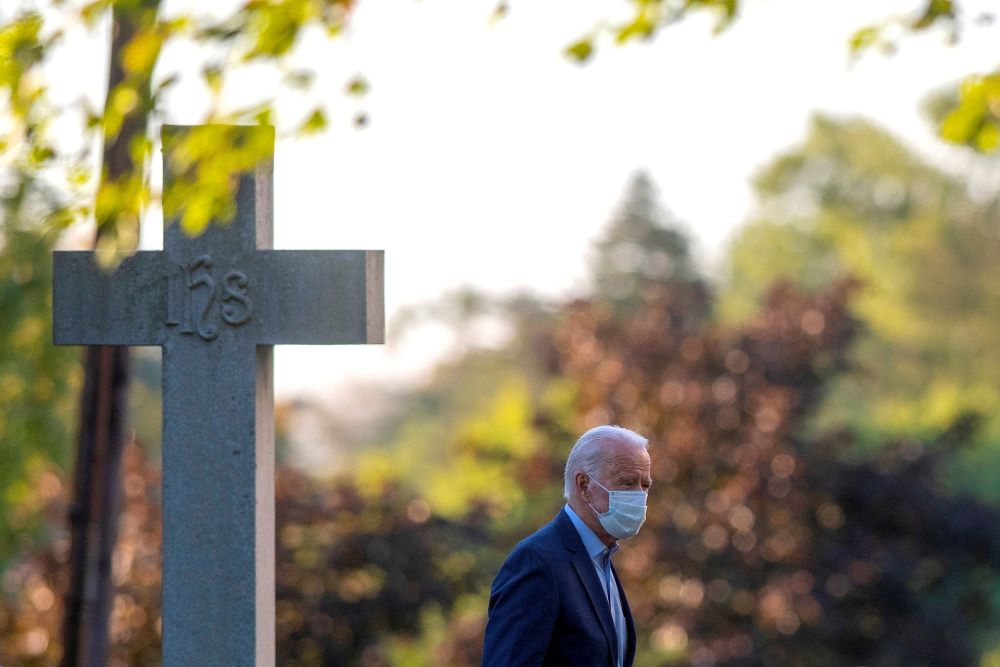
626, 512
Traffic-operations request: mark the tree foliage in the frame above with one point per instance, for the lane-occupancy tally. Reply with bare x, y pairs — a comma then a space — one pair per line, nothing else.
972, 117
642, 248
761, 546
48, 182
253, 34
352, 570
35, 378
763, 543
852, 200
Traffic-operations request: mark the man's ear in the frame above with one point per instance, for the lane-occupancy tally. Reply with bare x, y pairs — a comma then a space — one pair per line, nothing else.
583, 485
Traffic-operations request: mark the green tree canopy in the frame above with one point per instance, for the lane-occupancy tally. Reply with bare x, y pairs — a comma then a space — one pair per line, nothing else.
852, 200
35, 377
641, 247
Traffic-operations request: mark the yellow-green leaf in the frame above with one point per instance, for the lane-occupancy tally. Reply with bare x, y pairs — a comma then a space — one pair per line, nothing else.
988, 138
642, 26
581, 50
357, 86
141, 53
315, 122
864, 38
212, 75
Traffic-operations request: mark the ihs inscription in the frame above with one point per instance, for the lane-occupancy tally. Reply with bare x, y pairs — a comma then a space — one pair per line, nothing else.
192, 295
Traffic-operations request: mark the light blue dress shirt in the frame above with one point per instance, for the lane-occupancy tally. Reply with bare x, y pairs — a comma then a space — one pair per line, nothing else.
600, 554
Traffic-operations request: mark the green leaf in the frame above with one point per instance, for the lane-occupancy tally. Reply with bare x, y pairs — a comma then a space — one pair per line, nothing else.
864, 38
92, 11
975, 118
357, 86
934, 11
212, 75
315, 122
140, 54
60, 218
168, 82
988, 138
580, 51
642, 26
40, 155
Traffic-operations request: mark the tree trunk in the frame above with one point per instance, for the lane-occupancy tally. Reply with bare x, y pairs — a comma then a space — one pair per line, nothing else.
96, 503
94, 513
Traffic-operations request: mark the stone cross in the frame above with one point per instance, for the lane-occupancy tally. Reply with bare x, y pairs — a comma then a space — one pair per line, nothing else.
216, 304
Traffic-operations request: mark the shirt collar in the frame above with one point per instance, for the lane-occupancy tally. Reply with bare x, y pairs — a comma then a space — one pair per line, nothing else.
591, 542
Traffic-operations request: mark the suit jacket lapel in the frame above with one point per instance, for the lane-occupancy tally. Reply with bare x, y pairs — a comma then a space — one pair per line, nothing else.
595, 591
588, 576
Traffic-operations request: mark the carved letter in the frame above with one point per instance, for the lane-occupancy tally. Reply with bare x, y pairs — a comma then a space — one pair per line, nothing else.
234, 288
205, 328
179, 300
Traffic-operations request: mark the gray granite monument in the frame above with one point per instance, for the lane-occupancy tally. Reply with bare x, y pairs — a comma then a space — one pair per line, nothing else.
216, 304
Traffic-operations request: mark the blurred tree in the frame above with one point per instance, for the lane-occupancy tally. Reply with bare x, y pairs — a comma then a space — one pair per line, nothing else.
93, 515
761, 547
494, 414
971, 116
854, 201
480, 412
641, 248
33, 590
355, 568
352, 568
203, 190
254, 34
36, 379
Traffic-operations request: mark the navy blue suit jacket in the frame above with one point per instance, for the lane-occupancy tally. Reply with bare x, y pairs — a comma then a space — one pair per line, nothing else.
547, 605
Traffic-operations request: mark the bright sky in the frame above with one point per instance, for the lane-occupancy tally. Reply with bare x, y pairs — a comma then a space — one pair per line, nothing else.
492, 161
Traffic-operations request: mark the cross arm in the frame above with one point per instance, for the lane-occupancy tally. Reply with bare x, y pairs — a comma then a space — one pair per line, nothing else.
321, 297
93, 306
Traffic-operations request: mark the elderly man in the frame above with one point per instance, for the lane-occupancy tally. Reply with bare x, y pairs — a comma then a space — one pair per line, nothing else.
557, 599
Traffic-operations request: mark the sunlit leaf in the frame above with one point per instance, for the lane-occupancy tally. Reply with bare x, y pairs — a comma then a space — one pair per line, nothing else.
315, 122
357, 86
78, 175
140, 148
935, 10
61, 218
642, 26
142, 52
580, 51
40, 154
976, 116
864, 38
211, 74
988, 138
124, 99
92, 11
92, 119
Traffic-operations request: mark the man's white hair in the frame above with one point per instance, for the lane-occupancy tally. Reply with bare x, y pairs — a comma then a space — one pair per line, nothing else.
587, 454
